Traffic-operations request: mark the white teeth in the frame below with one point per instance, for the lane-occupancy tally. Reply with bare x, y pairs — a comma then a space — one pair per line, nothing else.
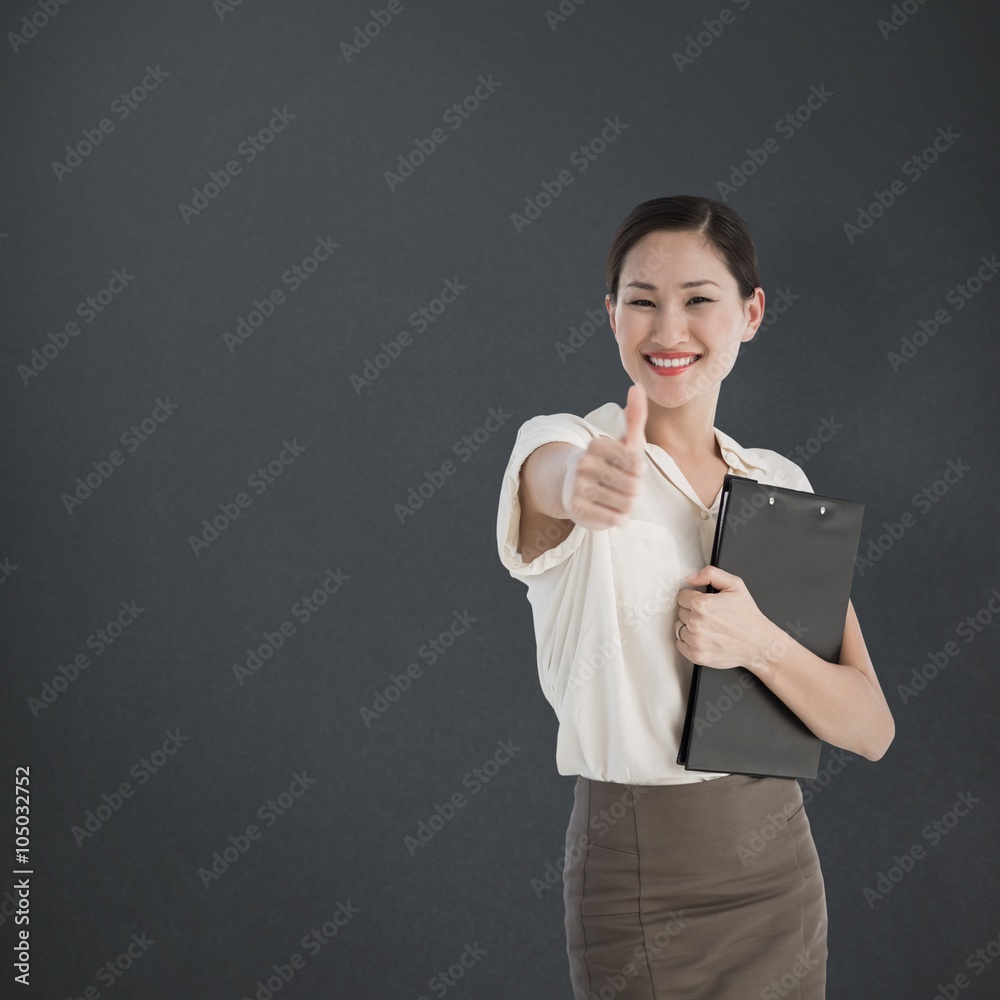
672, 362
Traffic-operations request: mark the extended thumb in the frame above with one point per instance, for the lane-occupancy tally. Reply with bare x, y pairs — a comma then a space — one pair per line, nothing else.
636, 410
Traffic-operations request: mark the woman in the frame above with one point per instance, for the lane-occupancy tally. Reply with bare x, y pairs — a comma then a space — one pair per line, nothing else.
677, 884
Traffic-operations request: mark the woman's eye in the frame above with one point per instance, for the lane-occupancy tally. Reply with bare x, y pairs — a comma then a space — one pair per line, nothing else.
646, 302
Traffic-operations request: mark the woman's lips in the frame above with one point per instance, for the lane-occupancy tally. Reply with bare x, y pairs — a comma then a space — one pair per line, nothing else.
672, 369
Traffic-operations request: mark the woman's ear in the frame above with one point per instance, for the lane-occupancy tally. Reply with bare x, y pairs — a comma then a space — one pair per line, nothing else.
753, 309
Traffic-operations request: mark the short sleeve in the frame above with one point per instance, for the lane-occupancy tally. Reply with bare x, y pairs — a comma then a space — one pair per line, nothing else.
531, 435
784, 472
806, 485
795, 478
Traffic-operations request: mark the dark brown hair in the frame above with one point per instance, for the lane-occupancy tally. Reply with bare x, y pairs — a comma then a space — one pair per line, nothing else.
719, 226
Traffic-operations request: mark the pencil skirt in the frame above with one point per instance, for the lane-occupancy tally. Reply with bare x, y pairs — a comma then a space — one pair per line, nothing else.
708, 890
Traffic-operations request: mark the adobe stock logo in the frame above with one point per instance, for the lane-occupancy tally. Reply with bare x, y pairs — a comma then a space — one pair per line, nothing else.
224, 7
786, 127
923, 500
581, 158
366, 33
420, 319
88, 310
239, 844
47, 9
464, 448
565, 10
132, 439
430, 652
934, 833
914, 168
113, 969
453, 116
445, 980
899, 16
294, 277
696, 44
936, 661
282, 973
302, 610
475, 780
959, 296
142, 770
259, 481
122, 106
250, 148
578, 336
98, 641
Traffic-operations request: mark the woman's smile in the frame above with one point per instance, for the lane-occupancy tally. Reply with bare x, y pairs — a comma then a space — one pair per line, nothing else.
670, 364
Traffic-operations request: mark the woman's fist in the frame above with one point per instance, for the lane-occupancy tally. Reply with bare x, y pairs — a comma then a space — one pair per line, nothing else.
603, 480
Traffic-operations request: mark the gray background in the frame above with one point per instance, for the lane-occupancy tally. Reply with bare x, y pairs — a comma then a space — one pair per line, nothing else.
332, 508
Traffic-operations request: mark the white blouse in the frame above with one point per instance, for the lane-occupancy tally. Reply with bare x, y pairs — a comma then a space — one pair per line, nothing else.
604, 604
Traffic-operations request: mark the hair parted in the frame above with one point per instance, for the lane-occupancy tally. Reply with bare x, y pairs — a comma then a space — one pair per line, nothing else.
718, 224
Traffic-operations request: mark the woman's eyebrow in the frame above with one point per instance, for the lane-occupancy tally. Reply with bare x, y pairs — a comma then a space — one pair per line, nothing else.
686, 284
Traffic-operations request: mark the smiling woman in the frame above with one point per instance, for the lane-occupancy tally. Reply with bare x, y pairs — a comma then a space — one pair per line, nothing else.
609, 520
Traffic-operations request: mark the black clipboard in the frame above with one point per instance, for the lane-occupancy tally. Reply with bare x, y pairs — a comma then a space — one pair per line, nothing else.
796, 553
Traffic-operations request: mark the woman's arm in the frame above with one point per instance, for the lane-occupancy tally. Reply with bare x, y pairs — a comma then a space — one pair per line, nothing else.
842, 703
544, 523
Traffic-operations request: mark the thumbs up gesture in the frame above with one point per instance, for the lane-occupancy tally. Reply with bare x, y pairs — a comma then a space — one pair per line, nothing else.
603, 480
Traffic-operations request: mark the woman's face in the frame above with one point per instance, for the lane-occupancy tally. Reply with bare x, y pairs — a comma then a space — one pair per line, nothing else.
655, 316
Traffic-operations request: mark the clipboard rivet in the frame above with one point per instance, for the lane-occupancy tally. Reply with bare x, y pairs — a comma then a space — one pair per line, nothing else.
770, 499
822, 510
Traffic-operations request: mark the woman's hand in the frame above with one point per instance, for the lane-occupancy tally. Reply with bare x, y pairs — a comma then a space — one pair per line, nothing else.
603, 480
726, 629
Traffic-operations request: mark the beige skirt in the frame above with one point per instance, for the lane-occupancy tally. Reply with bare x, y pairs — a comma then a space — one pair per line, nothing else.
710, 889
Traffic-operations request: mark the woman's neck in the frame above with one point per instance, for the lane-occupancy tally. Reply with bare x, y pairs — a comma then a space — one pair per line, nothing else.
686, 432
